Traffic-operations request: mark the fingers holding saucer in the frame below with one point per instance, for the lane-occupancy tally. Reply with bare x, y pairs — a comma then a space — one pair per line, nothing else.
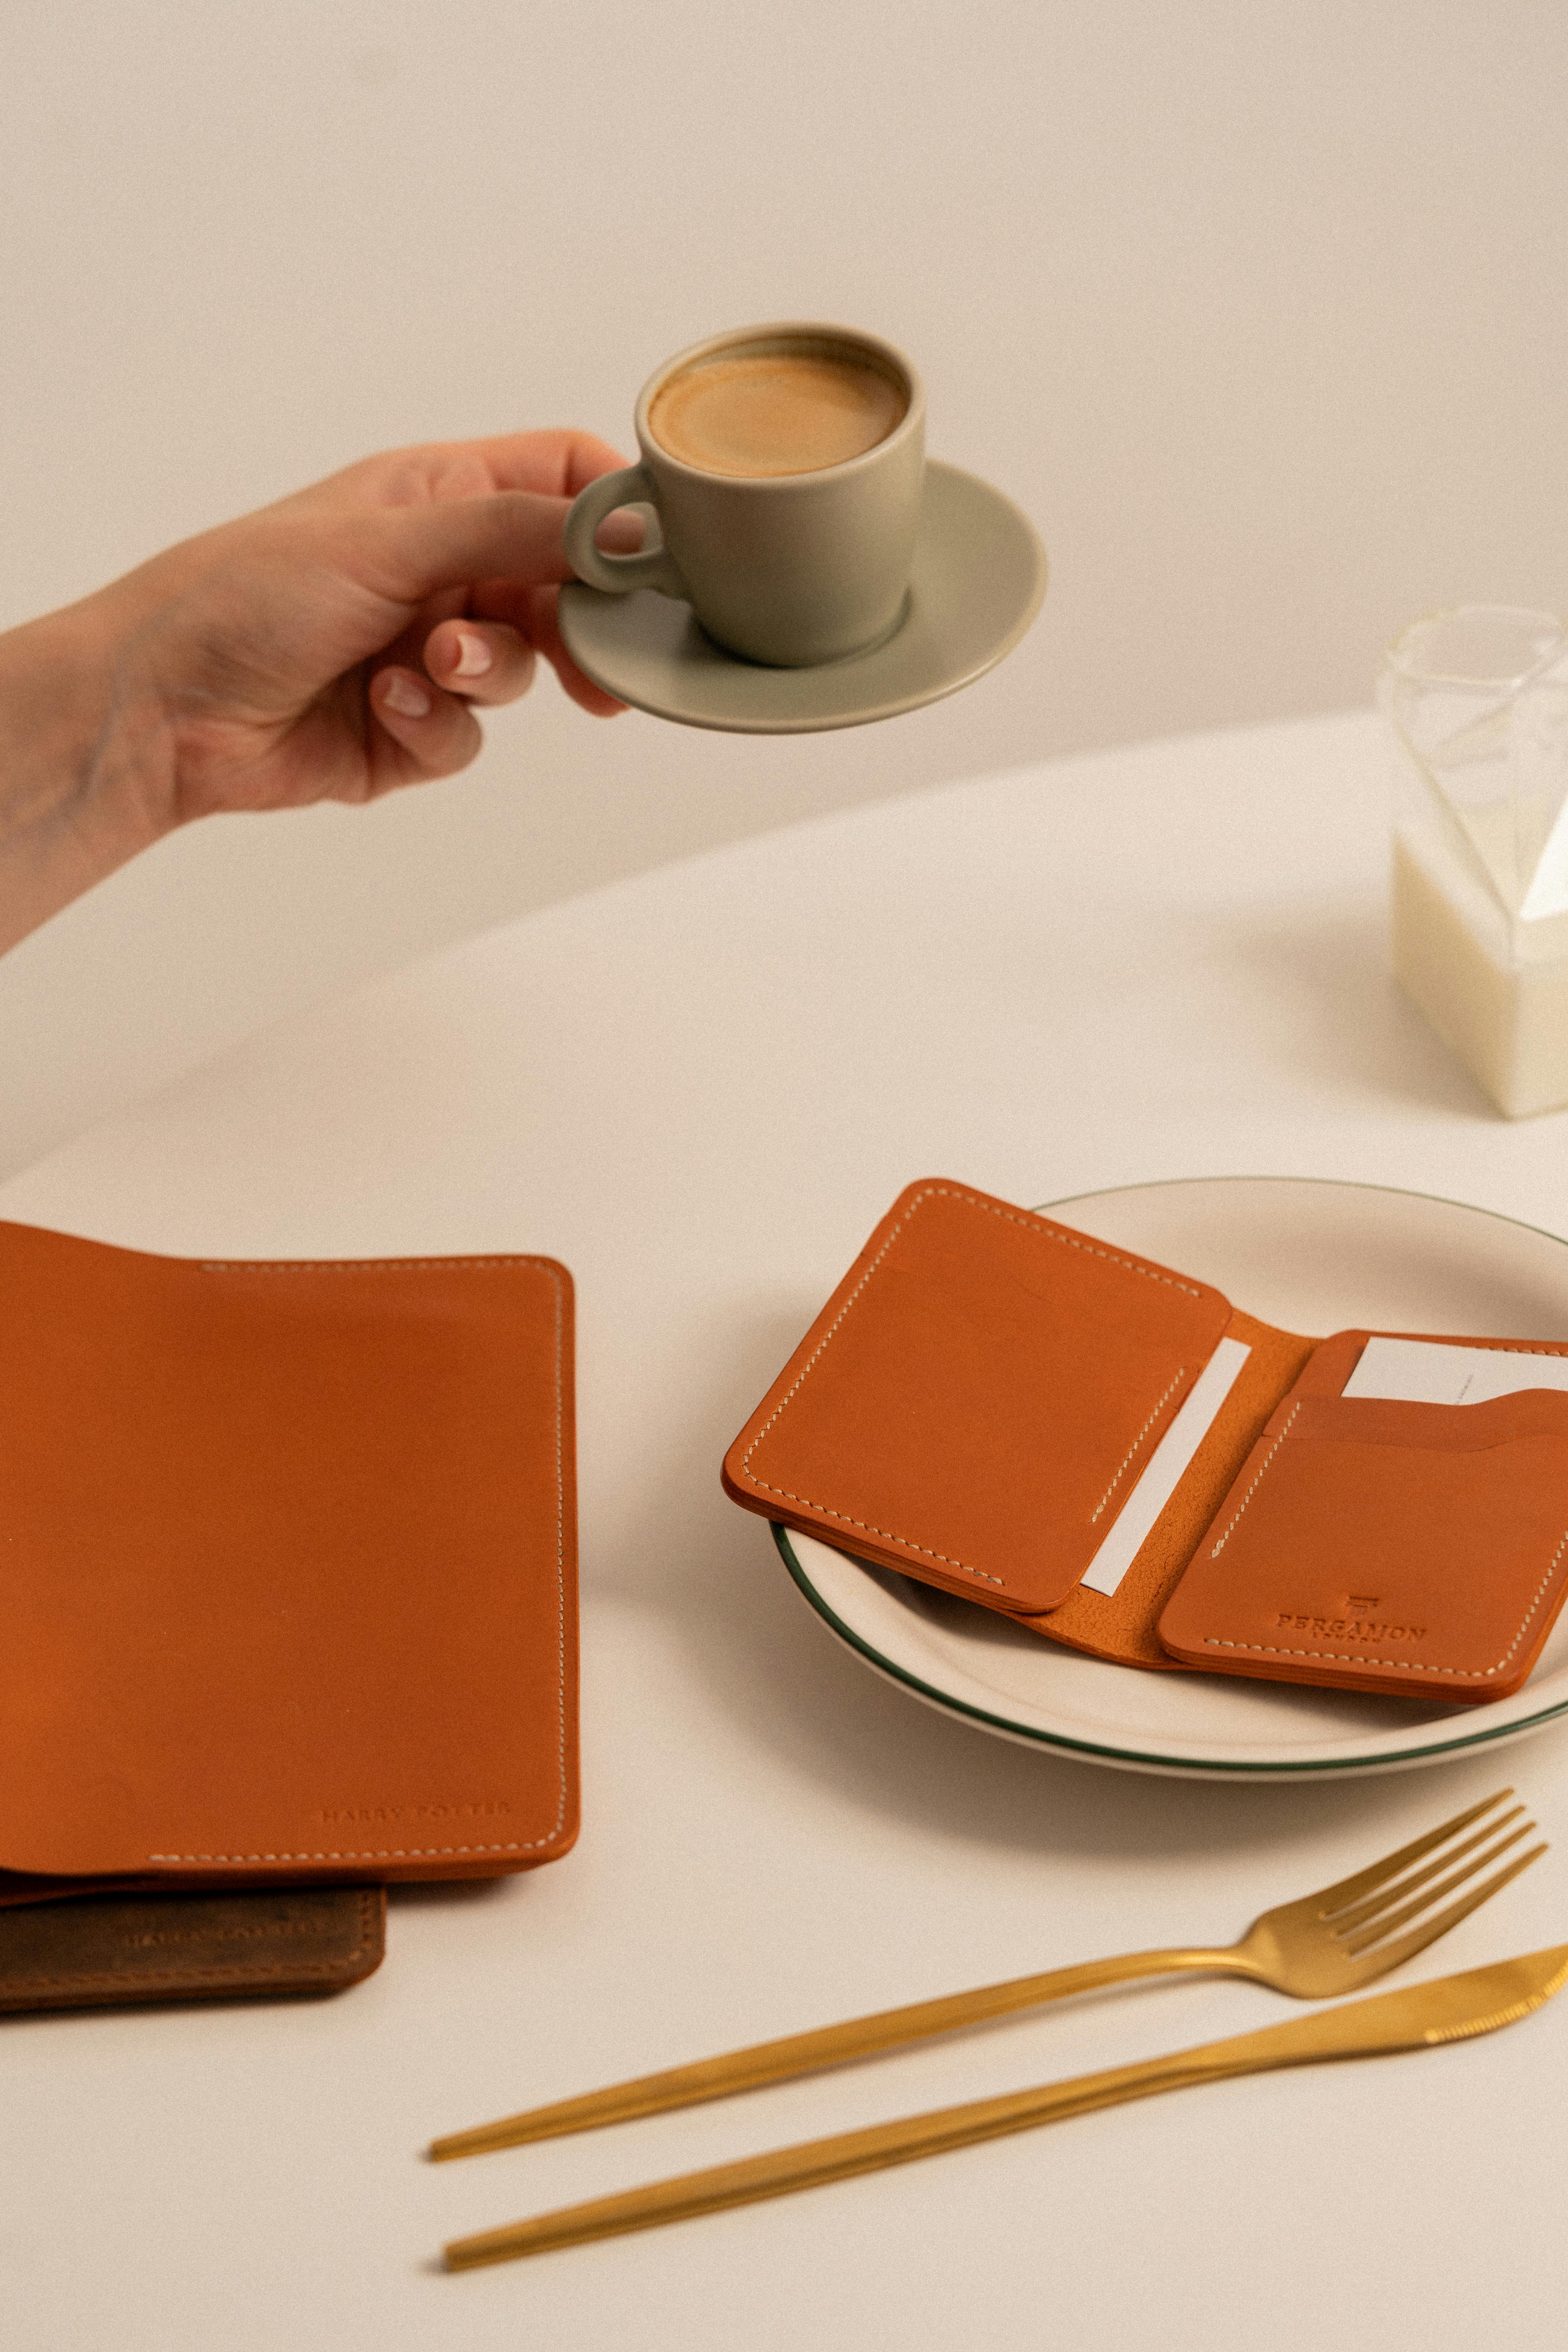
483, 661
423, 705
544, 631
423, 733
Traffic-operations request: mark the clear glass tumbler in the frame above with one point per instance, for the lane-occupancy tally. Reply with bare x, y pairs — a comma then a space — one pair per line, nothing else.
1477, 701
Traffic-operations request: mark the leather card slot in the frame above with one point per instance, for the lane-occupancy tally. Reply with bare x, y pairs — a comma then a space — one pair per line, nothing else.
1330, 1365
1336, 1359
1432, 1428
1386, 1546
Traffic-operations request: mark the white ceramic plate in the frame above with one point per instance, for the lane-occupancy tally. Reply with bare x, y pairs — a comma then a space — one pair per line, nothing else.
979, 575
1316, 1257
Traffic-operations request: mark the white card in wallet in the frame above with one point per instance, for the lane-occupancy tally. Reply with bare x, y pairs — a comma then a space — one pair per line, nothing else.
1199, 1412
1438, 1371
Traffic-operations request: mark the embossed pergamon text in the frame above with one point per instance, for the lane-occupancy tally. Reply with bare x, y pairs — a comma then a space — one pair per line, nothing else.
1352, 1629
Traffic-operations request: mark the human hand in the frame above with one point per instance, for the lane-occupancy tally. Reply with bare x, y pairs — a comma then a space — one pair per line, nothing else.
337, 644
329, 647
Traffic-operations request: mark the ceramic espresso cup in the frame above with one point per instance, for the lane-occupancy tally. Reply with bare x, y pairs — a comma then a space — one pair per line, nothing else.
784, 558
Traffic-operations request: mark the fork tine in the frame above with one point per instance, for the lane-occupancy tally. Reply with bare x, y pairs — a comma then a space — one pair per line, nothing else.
1392, 1956
1347, 1923
1377, 1873
1375, 1930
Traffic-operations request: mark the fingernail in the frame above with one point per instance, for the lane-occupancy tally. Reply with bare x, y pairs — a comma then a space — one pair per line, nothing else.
405, 696
474, 657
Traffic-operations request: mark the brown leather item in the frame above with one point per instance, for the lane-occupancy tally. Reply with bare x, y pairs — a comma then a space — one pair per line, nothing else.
104, 1950
288, 1567
981, 1393
1124, 1625
1387, 1546
976, 1398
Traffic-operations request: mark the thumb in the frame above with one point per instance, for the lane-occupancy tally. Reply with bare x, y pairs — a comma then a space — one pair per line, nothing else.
407, 554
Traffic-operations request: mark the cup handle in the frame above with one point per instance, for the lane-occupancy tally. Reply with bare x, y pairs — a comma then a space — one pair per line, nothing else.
616, 575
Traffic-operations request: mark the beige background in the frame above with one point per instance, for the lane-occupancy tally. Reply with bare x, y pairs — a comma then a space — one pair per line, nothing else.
1255, 308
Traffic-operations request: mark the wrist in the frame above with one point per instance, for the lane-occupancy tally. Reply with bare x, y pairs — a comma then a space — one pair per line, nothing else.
80, 760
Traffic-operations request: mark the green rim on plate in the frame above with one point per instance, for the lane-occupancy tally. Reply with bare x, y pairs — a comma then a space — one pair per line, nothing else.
1251, 1770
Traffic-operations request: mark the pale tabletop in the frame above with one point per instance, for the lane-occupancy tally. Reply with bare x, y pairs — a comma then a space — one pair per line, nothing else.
700, 1089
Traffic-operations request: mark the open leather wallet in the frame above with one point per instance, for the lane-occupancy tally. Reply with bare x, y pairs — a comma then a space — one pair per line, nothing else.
1111, 1453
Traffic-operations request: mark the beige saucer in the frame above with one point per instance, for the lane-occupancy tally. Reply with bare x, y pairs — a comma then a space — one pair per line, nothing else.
979, 576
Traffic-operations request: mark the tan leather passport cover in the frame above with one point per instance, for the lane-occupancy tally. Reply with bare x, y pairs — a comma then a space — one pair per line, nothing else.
977, 1398
287, 1567
244, 1943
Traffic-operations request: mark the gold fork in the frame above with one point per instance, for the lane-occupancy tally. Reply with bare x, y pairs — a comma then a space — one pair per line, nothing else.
1329, 1943
1450, 2009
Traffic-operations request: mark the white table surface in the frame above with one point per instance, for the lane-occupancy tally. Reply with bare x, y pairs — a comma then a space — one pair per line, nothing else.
700, 1088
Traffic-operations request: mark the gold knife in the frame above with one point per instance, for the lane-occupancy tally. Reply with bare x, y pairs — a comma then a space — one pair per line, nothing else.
1451, 2008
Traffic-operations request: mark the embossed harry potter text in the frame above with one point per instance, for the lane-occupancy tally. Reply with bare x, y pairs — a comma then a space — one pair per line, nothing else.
478, 1808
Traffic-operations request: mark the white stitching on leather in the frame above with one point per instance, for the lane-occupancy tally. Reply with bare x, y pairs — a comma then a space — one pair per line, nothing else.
367, 1853
1042, 1232
349, 1265
1258, 1480
1404, 1666
865, 1524
401, 1265
1345, 1657
1148, 1425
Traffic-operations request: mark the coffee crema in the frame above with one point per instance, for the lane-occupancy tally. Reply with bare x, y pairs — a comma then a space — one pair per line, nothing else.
775, 413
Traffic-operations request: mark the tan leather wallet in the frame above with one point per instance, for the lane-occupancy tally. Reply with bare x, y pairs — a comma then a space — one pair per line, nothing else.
989, 1401
288, 1569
